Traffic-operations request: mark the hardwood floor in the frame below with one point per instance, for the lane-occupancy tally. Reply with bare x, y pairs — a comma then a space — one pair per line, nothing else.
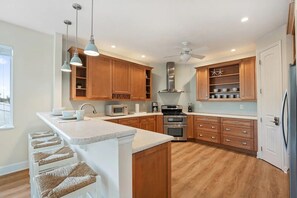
198, 171
204, 171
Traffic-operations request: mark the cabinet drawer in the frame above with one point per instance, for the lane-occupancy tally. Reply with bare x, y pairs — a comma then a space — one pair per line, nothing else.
207, 118
243, 143
207, 136
211, 127
238, 122
237, 131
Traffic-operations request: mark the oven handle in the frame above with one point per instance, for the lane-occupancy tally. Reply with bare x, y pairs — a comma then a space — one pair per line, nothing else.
176, 116
175, 126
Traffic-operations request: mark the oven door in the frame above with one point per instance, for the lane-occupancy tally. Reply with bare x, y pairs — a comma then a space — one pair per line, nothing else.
179, 132
175, 120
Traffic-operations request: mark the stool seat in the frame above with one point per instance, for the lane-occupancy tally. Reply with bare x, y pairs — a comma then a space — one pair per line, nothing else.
46, 143
43, 158
64, 180
41, 134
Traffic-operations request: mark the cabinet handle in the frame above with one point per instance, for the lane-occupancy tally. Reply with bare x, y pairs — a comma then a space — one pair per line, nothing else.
227, 129
227, 140
245, 132
213, 127
244, 143
213, 137
201, 125
200, 135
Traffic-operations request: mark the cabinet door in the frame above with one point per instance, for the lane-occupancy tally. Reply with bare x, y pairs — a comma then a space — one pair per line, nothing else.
159, 124
132, 122
138, 82
202, 83
99, 77
147, 123
190, 124
248, 79
121, 77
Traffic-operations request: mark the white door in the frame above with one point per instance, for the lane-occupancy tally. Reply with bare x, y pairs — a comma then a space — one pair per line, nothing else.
271, 99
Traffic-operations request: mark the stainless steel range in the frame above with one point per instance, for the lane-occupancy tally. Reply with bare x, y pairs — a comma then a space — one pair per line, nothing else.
175, 122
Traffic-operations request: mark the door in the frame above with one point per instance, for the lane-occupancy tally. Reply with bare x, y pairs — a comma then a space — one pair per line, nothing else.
99, 77
121, 77
138, 84
271, 100
202, 83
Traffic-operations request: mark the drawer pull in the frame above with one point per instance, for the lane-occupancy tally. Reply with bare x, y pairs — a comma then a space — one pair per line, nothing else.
201, 125
200, 135
227, 129
244, 143
227, 140
213, 127
245, 132
213, 137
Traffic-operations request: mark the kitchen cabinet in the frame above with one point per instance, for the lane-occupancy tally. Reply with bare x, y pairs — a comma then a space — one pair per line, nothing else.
227, 81
121, 79
113, 121
100, 78
138, 82
147, 123
78, 77
248, 79
160, 124
190, 121
202, 83
233, 133
132, 122
151, 171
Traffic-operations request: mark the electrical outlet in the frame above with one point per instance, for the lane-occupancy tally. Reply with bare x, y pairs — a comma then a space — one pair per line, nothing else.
241, 106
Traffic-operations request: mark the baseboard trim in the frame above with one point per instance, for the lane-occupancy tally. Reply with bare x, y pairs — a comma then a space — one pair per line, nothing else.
4, 170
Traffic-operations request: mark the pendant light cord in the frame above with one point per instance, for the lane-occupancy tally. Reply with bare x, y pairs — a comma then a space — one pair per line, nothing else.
76, 31
66, 55
92, 24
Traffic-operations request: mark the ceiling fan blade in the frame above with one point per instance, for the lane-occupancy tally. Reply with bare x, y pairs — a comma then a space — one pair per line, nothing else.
197, 56
171, 56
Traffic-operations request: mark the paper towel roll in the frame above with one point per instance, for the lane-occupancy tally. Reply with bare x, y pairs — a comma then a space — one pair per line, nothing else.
136, 108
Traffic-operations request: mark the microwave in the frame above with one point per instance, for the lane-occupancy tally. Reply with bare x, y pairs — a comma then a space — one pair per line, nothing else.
116, 110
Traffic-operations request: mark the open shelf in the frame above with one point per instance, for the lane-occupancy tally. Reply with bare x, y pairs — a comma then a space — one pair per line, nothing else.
226, 92
226, 75
219, 84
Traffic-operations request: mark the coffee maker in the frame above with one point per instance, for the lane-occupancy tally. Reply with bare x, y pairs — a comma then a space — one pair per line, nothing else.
155, 107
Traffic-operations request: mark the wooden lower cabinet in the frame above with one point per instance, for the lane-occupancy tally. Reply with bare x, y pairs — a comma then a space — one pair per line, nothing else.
147, 123
152, 172
190, 131
113, 121
208, 136
159, 124
244, 143
132, 122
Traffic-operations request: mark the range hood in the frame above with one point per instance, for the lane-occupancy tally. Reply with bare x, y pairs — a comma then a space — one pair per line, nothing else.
170, 79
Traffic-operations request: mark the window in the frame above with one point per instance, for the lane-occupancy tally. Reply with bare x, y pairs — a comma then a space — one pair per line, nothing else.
6, 113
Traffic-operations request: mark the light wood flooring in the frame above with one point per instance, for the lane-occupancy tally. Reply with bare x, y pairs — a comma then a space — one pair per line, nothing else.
198, 171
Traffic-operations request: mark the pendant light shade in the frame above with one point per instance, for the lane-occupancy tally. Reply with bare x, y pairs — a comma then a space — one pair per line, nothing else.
75, 60
91, 49
66, 66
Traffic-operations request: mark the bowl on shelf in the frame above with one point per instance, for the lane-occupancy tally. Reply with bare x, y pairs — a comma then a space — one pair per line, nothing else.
234, 89
215, 90
224, 90
225, 96
212, 96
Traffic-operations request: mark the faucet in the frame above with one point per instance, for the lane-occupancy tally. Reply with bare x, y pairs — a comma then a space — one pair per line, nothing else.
85, 104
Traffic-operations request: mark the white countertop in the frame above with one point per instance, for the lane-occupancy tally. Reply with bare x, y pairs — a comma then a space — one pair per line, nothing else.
86, 131
128, 116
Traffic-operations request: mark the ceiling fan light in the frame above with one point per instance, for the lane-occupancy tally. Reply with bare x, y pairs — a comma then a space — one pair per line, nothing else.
75, 60
91, 49
66, 67
185, 57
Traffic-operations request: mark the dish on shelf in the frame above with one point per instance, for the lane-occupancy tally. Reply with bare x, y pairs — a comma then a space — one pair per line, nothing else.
234, 89
224, 90
212, 96
215, 90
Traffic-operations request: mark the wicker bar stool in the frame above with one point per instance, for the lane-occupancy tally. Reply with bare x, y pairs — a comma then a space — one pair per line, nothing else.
70, 181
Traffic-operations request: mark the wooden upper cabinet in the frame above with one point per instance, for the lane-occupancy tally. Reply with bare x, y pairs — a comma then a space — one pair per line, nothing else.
121, 77
202, 83
100, 77
248, 79
138, 82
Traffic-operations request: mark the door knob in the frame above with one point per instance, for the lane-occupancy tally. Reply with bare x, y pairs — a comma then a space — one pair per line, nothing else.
276, 121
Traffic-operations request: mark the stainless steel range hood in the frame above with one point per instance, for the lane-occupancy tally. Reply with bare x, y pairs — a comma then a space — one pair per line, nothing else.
170, 77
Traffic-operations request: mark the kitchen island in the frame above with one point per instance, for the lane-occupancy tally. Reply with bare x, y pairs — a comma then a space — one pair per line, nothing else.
122, 155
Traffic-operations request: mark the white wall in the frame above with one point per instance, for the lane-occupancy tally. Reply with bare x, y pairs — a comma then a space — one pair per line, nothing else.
32, 89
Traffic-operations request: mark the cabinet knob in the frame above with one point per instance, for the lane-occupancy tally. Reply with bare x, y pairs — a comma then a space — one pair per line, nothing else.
213, 127
227, 129
227, 140
245, 132
200, 135
244, 143
201, 125
213, 137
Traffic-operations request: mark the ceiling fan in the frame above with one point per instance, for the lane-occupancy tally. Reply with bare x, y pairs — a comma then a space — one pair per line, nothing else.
186, 53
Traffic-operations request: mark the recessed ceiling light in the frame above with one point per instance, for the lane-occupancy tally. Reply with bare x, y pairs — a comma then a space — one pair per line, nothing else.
113, 46
244, 19
142, 56
233, 50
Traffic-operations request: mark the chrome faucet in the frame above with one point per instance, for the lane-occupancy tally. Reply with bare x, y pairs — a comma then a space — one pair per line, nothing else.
94, 110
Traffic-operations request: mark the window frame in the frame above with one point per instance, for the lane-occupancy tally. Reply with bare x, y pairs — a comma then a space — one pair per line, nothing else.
10, 125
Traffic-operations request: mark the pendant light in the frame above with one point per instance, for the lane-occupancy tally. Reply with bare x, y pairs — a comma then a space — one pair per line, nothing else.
75, 60
91, 49
66, 66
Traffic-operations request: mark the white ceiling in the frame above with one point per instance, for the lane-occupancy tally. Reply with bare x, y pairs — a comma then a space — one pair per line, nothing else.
155, 27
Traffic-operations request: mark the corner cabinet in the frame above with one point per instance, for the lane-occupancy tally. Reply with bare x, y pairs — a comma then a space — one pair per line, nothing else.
228, 81
108, 78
